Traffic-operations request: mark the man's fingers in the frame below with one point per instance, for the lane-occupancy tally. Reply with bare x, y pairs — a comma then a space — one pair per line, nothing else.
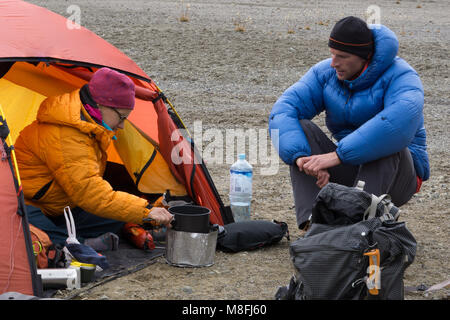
309, 171
311, 168
300, 162
320, 181
323, 178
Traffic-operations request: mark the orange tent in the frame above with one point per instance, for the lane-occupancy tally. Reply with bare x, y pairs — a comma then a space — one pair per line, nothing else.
17, 265
41, 56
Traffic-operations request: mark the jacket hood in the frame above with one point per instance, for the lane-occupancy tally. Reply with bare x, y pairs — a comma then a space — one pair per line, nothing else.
385, 51
66, 110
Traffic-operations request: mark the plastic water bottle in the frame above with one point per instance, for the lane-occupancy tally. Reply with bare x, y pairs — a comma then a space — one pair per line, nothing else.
241, 175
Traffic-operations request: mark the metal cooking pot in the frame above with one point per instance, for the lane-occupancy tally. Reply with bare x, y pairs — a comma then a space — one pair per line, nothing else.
190, 218
186, 249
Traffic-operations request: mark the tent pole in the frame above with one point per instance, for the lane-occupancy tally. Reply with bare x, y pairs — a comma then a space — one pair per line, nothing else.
21, 211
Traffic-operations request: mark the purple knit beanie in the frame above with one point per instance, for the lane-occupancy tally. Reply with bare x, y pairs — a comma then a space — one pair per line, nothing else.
112, 89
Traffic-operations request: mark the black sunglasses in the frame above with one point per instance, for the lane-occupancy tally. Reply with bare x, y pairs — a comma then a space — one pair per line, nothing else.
121, 116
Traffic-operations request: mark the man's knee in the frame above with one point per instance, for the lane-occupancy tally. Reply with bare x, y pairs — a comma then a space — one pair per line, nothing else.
393, 174
309, 126
317, 139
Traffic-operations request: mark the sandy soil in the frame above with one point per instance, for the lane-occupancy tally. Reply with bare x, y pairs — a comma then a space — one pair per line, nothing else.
230, 79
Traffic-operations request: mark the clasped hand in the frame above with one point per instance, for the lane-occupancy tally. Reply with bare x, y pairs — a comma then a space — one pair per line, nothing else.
317, 166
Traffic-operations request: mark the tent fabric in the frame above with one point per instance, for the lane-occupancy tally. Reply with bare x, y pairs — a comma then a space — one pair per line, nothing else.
43, 78
189, 170
15, 96
45, 34
14, 266
144, 162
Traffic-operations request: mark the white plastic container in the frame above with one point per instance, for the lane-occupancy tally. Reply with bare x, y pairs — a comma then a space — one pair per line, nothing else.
241, 179
69, 278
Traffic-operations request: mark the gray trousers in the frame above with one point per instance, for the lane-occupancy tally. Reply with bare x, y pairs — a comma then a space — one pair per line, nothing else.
394, 175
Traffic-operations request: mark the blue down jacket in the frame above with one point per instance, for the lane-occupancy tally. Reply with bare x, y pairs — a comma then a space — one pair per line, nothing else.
377, 114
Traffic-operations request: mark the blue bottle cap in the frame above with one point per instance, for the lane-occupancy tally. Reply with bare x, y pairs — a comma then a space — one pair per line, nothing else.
241, 156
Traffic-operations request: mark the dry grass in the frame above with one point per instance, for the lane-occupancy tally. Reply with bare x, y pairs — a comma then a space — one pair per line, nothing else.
184, 16
324, 23
290, 23
241, 24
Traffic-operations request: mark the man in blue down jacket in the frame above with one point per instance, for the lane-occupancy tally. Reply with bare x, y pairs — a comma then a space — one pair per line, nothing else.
373, 102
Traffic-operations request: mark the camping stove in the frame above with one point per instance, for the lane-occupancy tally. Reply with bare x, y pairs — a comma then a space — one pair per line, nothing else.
188, 249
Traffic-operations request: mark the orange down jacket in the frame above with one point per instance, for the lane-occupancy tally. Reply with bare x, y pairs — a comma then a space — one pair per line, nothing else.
67, 155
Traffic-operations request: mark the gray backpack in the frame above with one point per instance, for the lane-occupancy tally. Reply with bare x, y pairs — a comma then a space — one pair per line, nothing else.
354, 249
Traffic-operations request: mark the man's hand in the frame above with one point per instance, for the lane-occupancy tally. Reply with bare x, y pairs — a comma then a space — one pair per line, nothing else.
313, 164
161, 216
323, 177
317, 166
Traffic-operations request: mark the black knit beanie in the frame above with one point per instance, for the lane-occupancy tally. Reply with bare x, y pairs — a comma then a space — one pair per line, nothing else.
351, 34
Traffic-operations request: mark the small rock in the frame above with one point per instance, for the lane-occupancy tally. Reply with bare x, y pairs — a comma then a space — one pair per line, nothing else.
187, 290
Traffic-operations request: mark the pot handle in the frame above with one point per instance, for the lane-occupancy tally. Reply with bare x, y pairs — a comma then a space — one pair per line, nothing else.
173, 222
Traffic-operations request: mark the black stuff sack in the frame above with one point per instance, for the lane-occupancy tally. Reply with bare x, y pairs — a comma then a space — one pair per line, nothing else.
251, 235
341, 205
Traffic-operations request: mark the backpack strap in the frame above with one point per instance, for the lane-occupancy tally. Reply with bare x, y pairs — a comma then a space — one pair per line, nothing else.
390, 212
372, 208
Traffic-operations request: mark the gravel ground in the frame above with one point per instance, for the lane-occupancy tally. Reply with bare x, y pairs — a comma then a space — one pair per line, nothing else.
225, 67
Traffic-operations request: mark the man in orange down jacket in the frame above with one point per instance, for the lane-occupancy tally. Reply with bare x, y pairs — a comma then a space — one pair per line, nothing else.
62, 158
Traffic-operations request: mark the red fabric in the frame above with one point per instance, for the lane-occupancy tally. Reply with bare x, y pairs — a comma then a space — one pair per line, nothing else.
14, 267
419, 184
112, 89
32, 31
204, 195
361, 72
93, 112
